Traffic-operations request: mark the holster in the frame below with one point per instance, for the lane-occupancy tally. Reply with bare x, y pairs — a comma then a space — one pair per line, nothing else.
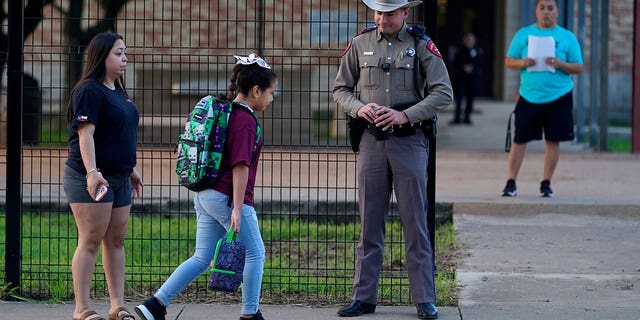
355, 128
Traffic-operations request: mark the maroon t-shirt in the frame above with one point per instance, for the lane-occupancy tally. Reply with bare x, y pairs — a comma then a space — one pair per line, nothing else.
240, 147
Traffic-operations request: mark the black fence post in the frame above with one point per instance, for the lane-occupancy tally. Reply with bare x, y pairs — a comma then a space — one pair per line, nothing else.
15, 72
31, 110
430, 22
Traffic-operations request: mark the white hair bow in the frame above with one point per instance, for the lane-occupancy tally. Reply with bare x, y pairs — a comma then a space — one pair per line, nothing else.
251, 59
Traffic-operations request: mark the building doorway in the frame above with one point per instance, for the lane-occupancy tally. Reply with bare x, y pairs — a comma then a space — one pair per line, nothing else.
456, 18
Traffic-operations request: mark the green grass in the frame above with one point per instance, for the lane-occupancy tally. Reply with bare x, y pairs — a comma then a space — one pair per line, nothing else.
305, 260
619, 144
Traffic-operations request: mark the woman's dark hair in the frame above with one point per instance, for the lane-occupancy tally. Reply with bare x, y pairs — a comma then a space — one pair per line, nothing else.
244, 77
94, 69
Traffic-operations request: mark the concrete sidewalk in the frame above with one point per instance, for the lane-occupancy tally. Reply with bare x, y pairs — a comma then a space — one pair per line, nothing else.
574, 256
30, 311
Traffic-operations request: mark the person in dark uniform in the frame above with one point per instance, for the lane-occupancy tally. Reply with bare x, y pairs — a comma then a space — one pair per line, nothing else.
392, 65
466, 65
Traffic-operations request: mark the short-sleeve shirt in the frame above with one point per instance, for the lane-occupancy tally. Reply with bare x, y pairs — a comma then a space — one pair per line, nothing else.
546, 86
240, 148
115, 118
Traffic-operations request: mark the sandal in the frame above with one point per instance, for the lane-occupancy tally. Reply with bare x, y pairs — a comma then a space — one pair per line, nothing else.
121, 313
90, 315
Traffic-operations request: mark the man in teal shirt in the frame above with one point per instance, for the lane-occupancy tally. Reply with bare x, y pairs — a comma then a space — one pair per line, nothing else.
546, 86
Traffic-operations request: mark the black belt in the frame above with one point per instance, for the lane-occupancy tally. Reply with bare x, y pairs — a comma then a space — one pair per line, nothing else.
403, 130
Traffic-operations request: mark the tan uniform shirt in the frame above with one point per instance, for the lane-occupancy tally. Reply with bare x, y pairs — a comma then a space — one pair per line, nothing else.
362, 65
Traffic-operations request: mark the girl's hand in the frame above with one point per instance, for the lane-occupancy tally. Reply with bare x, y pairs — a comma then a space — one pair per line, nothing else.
236, 215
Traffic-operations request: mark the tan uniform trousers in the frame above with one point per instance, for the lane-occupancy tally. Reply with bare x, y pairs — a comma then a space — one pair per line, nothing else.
399, 164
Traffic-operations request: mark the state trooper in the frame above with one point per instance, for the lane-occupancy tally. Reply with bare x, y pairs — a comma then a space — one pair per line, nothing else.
402, 83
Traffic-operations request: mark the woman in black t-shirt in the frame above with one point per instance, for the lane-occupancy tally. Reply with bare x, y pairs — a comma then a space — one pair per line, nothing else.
100, 175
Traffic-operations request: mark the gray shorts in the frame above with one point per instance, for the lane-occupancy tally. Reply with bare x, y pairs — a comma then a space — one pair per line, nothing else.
75, 186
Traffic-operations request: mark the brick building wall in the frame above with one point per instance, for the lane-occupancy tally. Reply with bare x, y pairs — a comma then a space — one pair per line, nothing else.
182, 49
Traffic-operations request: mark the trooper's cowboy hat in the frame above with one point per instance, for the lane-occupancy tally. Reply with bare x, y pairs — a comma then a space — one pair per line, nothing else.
389, 5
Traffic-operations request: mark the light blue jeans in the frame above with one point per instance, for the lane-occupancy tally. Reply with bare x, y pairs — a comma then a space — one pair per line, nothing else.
213, 219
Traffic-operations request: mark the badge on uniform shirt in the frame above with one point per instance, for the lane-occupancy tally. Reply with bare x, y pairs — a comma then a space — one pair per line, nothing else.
411, 52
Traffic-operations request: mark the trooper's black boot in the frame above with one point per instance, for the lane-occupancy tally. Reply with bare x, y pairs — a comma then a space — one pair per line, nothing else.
356, 308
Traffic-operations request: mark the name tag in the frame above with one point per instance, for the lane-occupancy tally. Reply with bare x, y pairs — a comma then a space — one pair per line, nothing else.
368, 53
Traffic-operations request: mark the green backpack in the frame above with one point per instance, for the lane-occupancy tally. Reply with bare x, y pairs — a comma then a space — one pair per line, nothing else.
200, 147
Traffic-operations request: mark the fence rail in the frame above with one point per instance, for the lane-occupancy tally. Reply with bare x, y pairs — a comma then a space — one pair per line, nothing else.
179, 51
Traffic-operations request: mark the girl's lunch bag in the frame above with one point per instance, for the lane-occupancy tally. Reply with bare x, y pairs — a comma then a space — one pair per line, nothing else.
227, 264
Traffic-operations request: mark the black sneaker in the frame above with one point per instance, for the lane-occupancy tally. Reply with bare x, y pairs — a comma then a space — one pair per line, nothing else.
510, 190
257, 316
545, 189
151, 309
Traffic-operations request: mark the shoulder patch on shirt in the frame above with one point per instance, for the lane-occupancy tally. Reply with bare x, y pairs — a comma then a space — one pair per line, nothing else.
433, 49
418, 31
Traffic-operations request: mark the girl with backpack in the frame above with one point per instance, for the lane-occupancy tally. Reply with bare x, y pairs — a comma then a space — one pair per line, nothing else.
228, 204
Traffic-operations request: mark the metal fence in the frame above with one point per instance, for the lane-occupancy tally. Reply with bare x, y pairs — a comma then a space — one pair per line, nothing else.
179, 51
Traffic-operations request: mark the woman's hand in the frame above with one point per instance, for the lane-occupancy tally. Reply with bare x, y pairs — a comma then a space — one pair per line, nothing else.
136, 184
94, 181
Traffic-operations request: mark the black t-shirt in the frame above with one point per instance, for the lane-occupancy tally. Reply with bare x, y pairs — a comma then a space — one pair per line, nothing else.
116, 119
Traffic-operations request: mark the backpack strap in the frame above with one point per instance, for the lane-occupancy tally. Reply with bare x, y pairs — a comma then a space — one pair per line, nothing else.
247, 109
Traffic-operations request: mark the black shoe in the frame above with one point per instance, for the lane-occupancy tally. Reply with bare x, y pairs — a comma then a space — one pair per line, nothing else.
455, 122
545, 189
356, 308
427, 310
510, 190
151, 309
467, 121
257, 316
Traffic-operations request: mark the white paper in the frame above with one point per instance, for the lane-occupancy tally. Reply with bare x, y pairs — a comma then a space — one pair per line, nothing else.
539, 49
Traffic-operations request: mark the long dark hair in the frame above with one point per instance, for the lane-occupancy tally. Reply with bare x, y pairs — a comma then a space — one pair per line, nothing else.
244, 77
94, 69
